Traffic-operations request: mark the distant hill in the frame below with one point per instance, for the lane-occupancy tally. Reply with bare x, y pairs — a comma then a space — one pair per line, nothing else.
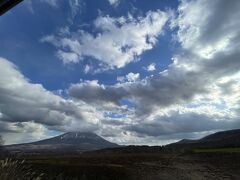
72, 141
220, 139
131, 149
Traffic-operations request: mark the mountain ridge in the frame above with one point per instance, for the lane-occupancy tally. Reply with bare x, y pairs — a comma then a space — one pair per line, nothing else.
86, 141
70, 141
221, 139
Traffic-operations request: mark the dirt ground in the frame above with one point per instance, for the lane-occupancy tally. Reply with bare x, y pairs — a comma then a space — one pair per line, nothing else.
192, 166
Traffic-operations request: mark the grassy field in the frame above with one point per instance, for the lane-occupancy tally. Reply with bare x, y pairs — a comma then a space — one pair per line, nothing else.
218, 150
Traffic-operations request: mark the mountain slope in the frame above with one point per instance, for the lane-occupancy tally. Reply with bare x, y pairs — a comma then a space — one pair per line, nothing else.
220, 139
72, 141
229, 136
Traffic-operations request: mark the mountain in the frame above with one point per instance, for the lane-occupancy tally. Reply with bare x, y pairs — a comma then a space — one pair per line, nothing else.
72, 141
231, 136
220, 139
83, 141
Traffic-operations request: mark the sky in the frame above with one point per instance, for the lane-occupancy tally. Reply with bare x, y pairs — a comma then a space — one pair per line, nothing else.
131, 71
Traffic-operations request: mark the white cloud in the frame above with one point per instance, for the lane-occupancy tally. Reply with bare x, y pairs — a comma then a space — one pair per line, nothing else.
53, 3
87, 69
114, 2
131, 77
67, 57
197, 30
24, 132
199, 92
24, 105
151, 67
120, 78
118, 42
75, 6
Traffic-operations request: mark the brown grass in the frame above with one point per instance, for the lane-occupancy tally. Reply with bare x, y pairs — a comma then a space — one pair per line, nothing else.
17, 170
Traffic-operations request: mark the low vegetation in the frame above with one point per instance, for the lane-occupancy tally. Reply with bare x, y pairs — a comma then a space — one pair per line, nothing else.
127, 166
218, 150
17, 170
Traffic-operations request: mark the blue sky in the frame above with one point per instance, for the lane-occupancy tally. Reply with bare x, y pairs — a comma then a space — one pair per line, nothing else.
132, 71
24, 26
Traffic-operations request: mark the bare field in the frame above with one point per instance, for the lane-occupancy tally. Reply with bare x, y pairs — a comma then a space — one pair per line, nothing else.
141, 166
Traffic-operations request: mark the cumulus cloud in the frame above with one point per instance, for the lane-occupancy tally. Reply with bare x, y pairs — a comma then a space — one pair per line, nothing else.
130, 77
198, 91
188, 122
207, 34
118, 41
24, 132
94, 93
163, 90
22, 102
151, 67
